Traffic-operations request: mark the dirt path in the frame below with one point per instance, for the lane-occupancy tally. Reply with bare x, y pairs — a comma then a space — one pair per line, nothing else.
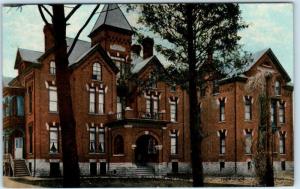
9, 182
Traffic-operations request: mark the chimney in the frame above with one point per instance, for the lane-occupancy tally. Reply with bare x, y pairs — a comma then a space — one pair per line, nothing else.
136, 49
48, 36
147, 47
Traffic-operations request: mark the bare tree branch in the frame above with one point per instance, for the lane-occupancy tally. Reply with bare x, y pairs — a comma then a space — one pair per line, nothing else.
72, 12
49, 13
42, 14
81, 29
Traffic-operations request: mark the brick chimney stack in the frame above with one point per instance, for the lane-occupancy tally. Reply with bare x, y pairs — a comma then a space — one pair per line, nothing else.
48, 36
147, 44
136, 49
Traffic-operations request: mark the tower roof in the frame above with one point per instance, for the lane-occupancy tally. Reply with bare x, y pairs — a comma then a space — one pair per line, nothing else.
111, 15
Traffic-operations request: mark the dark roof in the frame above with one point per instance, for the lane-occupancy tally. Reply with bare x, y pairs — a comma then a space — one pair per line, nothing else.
111, 15
103, 53
80, 48
30, 55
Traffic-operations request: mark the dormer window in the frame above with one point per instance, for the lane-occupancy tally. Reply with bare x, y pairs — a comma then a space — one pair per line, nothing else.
96, 71
277, 88
52, 68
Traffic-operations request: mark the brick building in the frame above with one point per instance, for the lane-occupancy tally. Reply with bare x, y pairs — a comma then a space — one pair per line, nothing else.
147, 132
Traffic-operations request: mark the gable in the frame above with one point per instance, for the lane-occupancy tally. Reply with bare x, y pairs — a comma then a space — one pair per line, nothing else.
269, 62
96, 49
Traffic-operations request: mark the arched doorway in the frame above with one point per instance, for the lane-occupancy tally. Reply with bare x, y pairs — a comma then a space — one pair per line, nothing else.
145, 151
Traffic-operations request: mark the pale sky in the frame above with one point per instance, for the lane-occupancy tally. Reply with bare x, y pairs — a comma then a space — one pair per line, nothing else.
270, 26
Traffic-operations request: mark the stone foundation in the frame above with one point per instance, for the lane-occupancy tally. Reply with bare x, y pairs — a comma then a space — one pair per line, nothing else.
41, 168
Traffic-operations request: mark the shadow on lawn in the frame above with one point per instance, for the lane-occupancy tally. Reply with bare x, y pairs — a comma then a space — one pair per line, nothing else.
117, 182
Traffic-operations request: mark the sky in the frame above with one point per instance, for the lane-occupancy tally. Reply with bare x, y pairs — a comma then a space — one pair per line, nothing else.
270, 26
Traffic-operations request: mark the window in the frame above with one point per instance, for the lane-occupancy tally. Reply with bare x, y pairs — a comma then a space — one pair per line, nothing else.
52, 99
102, 168
152, 107
52, 68
173, 110
96, 71
282, 142
92, 103
248, 108
119, 108
30, 99
248, 142
174, 141
222, 109
222, 135
216, 88
54, 170
30, 139
222, 165
282, 112
273, 113
101, 140
6, 143
277, 88
283, 165
92, 140
101, 101
93, 168
53, 139
153, 81
119, 145
174, 167
249, 165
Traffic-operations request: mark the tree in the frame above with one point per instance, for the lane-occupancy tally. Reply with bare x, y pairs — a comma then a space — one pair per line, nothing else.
192, 35
263, 156
71, 172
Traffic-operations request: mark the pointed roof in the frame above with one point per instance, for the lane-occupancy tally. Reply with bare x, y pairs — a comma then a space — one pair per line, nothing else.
111, 15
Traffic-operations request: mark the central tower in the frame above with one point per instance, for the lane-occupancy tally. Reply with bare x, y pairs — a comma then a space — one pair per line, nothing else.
113, 32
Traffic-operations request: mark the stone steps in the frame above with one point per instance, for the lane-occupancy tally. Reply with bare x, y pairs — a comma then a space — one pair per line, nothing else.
20, 168
144, 171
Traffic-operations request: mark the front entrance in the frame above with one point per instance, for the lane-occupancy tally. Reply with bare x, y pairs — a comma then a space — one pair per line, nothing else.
18, 147
145, 151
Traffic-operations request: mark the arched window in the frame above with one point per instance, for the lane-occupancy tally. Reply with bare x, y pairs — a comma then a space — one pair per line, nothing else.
277, 88
96, 71
52, 68
119, 145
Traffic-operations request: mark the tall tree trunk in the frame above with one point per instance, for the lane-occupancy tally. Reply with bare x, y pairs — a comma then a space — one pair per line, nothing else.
71, 174
269, 173
195, 130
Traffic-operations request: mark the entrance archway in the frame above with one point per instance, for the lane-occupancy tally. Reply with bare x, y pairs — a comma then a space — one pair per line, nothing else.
145, 151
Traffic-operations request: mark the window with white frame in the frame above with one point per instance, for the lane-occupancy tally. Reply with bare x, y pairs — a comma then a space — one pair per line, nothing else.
52, 99
52, 68
96, 71
282, 112
92, 146
222, 136
248, 141
101, 101
119, 108
53, 142
282, 142
174, 141
222, 109
152, 107
173, 110
277, 88
101, 140
273, 113
248, 108
92, 100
